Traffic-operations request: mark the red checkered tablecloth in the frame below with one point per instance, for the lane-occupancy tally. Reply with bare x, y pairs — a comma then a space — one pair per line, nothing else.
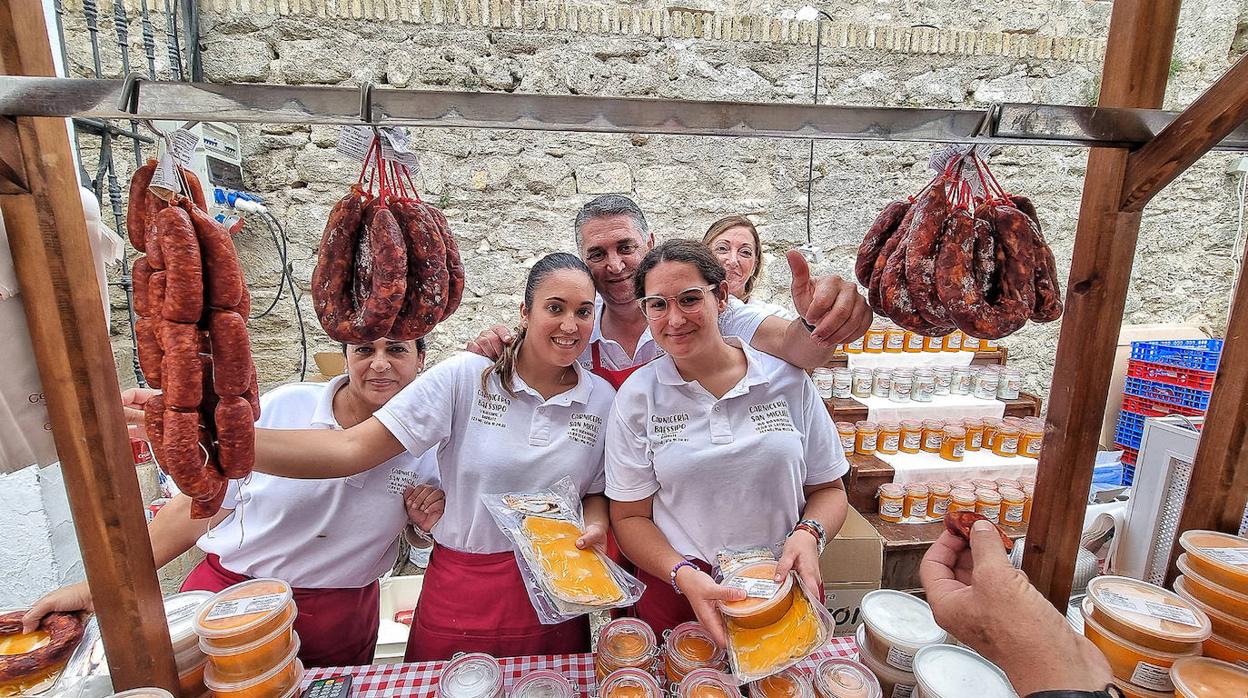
391, 680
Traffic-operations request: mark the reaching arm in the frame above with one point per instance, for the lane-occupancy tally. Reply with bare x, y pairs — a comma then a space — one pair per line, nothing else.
325, 453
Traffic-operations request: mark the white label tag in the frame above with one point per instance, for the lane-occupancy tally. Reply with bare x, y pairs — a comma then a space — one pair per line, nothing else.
900, 658
1231, 556
356, 141
182, 146
165, 181
245, 606
902, 690
754, 588
1154, 609
1152, 676
183, 613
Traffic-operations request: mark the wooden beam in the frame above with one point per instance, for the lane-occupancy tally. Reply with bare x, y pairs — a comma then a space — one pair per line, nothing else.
1137, 65
1217, 112
12, 172
54, 263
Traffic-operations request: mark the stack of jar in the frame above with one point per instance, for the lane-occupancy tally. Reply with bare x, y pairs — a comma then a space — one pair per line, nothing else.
904, 384
884, 337
951, 439
895, 626
1215, 579
1002, 501
180, 611
627, 651
248, 633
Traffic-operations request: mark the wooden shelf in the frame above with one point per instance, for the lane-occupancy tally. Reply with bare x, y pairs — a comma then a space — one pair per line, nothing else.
905, 545
850, 410
982, 358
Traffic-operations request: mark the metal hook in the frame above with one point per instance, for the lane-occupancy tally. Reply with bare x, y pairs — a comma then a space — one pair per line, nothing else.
988, 122
366, 103
129, 101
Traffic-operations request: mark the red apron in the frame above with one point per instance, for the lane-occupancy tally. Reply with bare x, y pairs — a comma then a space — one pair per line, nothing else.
616, 378
337, 627
478, 603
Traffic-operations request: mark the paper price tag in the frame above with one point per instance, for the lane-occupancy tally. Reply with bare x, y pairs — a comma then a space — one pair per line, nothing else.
1231, 556
165, 180
245, 606
395, 146
355, 141
900, 659
1154, 609
181, 144
755, 588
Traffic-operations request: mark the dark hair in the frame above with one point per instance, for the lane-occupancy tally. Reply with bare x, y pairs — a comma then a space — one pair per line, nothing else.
505, 364
687, 251
609, 205
420, 345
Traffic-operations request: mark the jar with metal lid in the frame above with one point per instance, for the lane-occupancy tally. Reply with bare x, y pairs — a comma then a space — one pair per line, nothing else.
953, 447
915, 503
989, 344
933, 435
842, 383
865, 437
863, 377
1029, 491
544, 683
991, 425
473, 675
873, 340
963, 380
981, 483
847, 432
882, 382
986, 382
988, 505
845, 678
953, 341
903, 385
934, 343
970, 343
938, 499
911, 436
625, 642
854, 347
890, 438
1005, 482
974, 433
892, 502
962, 500
924, 385
688, 647
944, 380
707, 683
1010, 384
1006, 442
913, 343
789, 683
894, 339
822, 376
630, 683
1013, 502
1030, 441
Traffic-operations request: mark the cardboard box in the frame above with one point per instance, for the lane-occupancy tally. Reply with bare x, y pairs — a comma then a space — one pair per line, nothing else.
852, 565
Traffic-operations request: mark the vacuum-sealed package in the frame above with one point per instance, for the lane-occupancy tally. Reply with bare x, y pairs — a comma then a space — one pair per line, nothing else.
563, 580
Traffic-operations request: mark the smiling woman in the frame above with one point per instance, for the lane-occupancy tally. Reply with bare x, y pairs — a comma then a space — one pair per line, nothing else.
737, 245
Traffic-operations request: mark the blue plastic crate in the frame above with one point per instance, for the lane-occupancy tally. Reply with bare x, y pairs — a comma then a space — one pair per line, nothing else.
1128, 474
1199, 354
1130, 429
1170, 394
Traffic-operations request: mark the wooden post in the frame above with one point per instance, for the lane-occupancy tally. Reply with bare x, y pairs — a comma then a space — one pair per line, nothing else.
1137, 64
53, 260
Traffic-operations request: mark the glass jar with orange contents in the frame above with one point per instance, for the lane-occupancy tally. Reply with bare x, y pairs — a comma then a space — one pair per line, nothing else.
873, 340
933, 435
991, 425
1006, 442
953, 446
953, 341
911, 435
1013, 502
974, 433
625, 642
970, 343
890, 438
913, 342
866, 436
688, 647
915, 506
988, 505
892, 502
962, 500
894, 339
933, 344
1031, 440
1029, 491
846, 431
707, 683
1004, 483
854, 347
630, 683
938, 499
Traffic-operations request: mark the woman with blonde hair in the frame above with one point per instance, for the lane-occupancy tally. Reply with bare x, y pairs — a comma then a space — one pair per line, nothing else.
736, 244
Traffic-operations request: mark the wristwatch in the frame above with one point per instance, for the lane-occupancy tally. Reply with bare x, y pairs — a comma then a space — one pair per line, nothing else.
1110, 691
815, 529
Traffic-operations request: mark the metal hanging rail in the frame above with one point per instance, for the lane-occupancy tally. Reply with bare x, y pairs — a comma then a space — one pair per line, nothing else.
1010, 124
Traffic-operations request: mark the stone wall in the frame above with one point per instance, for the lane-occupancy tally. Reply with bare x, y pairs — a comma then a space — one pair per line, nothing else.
511, 196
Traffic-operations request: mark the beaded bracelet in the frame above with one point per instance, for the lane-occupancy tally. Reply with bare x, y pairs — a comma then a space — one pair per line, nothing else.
682, 563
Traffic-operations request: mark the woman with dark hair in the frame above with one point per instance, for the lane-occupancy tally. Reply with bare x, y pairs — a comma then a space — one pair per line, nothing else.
714, 446
519, 423
736, 244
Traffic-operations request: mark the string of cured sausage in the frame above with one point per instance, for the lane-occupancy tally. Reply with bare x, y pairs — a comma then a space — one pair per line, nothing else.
952, 258
192, 302
64, 631
388, 265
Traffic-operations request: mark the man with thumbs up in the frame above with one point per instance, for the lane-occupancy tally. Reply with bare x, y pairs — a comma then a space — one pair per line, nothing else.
612, 237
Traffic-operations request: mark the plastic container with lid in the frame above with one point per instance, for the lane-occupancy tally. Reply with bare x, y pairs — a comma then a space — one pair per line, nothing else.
917, 497
953, 446
893, 681
974, 433
911, 435
948, 671
1211, 593
933, 435
962, 500
1138, 665
938, 499
1201, 677
758, 611
865, 437
894, 339
953, 341
789, 683
1218, 557
846, 431
1227, 651
873, 340
1013, 504
143, 693
245, 613
254, 658
180, 612
863, 378
1224, 625
191, 680
914, 343
845, 678
688, 647
625, 642
758, 652
285, 674
881, 382
707, 683
842, 383
897, 626
1005, 443
933, 343
892, 502
1146, 614
630, 683
903, 386
543, 683
988, 505
889, 438
473, 675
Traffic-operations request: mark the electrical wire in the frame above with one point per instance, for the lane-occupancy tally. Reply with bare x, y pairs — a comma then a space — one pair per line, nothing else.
279, 233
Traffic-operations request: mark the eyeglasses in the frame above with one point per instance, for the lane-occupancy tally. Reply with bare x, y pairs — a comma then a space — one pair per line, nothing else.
689, 301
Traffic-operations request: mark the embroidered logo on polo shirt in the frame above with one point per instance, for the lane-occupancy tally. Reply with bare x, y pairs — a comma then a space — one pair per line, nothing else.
669, 428
490, 408
400, 480
583, 428
771, 416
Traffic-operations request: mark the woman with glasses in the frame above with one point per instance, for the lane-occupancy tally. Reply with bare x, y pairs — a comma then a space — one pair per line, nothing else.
735, 242
714, 446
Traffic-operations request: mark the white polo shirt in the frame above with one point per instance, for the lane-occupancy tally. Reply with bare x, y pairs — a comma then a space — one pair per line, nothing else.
335, 533
724, 473
490, 442
737, 320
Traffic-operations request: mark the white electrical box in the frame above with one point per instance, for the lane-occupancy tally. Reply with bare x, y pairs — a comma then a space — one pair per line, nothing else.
217, 161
